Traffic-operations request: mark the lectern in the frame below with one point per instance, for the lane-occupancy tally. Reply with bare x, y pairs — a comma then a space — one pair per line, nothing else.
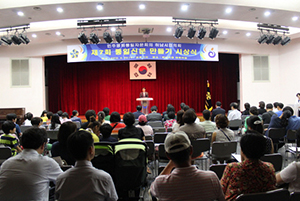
145, 103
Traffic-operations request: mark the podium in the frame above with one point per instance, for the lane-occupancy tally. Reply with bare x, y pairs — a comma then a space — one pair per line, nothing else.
145, 103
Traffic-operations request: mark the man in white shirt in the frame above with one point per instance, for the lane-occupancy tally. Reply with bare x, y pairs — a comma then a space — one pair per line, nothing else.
291, 175
208, 125
84, 182
27, 175
234, 113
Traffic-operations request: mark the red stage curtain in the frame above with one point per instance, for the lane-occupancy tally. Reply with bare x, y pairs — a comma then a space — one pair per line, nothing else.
95, 85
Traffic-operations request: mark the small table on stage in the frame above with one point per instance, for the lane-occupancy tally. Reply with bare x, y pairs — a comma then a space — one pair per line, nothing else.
145, 103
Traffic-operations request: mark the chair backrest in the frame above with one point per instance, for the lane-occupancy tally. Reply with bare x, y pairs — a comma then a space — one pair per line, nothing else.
266, 126
275, 195
104, 157
223, 149
291, 135
162, 152
218, 169
24, 128
150, 145
200, 145
155, 123
5, 153
77, 124
160, 138
52, 135
295, 196
275, 159
243, 118
114, 136
209, 135
235, 123
148, 137
161, 129
277, 133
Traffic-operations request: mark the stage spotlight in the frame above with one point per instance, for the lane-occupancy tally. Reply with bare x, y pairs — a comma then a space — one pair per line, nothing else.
201, 33
270, 39
15, 39
107, 37
24, 39
277, 40
6, 40
262, 39
178, 32
82, 38
191, 32
118, 36
94, 38
213, 33
285, 41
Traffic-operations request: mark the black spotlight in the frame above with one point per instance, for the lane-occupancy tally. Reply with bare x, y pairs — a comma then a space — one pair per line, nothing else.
191, 32
270, 39
6, 40
118, 36
107, 37
94, 38
213, 33
262, 39
201, 33
178, 32
15, 39
277, 40
82, 38
24, 39
285, 41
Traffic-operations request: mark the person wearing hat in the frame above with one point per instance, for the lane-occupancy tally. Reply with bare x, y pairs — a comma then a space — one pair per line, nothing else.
185, 182
148, 130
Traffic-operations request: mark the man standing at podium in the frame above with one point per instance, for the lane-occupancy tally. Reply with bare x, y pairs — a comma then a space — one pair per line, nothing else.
144, 94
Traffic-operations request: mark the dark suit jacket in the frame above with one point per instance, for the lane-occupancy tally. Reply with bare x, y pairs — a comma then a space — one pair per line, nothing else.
137, 114
154, 117
217, 111
146, 95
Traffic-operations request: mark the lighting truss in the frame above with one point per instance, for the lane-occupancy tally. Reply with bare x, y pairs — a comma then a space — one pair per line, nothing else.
275, 39
16, 37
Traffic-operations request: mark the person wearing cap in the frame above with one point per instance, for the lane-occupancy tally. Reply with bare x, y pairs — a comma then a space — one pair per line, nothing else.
185, 182
148, 130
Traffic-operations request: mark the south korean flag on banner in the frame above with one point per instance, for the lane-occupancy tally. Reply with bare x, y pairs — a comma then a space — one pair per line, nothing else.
145, 70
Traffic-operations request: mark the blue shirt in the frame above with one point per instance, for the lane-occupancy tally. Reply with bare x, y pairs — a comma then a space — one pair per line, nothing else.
294, 123
18, 130
279, 113
76, 119
137, 114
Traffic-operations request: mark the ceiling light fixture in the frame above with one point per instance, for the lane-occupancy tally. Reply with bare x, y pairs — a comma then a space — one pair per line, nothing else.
270, 39
94, 38
225, 32
184, 7
60, 10
6, 40
34, 35
15, 38
228, 10
107, 36
201, 33
169, 29
248, 34
213, 33
118, 35
82, 38
267, 13
20, 13
23, 37
142, 6
295, 18
113, 29
191, 32
178, 32
285, 41
100, 6
263, 38
277, 40
58, 33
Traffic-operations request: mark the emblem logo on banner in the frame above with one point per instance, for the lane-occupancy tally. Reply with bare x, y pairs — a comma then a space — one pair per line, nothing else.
142, 70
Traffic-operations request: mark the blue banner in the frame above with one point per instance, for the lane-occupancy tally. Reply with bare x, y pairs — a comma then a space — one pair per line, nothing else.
142, 51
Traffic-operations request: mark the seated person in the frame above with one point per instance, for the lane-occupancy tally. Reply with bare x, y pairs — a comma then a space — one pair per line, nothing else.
37, 122
208, 125
84, 182
94, 128
192, 129
9, 138
106, 130
255, 125
247, 108
28, 116
101, 118
223, 134
234, 113
88, 115
49, 116
65, 118
138, 112
106, 112
154, 115
290, 175
55, 123
261, 106
44, 116
253, 111
251, 175
170, 108
130, 131
13, 117
59, 148
279, 109
266, 117
148, 130
75, 117
171, 120
115, 119
176, 125
185, 182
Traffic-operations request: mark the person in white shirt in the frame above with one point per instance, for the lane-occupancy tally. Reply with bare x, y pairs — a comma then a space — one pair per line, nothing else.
208, 125
291, 175
84, 182
148, 130
297, 105
28, 116
27, 175
234, 113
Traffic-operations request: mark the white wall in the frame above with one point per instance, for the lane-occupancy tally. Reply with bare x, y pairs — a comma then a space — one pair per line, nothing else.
32, 98
282, 61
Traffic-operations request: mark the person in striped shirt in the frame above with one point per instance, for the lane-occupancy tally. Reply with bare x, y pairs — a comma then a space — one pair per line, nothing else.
185, 182
9, 138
